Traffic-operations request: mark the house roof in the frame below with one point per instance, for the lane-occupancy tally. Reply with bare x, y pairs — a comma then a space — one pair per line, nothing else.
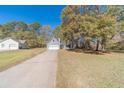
54, 41
19, 41
22, 41
7, 39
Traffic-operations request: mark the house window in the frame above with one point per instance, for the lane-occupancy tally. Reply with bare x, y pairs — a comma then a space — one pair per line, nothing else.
2, 45
12, 45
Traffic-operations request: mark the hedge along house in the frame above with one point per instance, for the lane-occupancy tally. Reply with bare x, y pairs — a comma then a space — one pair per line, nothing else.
11, 44
54, 44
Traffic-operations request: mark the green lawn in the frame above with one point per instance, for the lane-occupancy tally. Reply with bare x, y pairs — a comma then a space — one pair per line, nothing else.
10, 58
90, 70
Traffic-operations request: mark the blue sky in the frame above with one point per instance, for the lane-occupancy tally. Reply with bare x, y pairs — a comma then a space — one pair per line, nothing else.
44, 14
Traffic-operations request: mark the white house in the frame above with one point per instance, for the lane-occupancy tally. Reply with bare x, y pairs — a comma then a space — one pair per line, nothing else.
11, 44
54, 44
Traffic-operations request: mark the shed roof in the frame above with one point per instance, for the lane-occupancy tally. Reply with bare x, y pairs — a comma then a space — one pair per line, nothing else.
22, 41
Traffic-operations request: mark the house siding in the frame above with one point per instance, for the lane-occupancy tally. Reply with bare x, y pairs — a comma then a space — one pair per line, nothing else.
9, 44
54, 44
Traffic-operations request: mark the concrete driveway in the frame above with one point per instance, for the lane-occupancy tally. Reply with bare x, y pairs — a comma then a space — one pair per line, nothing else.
37, 72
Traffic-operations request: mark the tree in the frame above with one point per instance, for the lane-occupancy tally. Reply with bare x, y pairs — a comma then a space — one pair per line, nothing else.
117, 11
21, 26
76, 21
3, 33
68, 20
57, 32
22, 31
9, 27
34, 26
89, 23
45, 32
29, 36
41, 42
106, 29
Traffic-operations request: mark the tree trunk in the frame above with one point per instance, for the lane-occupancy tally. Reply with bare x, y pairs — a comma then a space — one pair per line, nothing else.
76, 43
72, 44
87, 44
97, 45
103, 44
66, 43
103, 48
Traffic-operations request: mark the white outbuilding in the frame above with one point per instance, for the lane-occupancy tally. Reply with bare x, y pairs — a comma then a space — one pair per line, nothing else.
54, 44
8, 44
11, 44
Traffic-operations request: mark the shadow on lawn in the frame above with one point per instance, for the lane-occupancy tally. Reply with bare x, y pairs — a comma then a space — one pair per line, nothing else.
89, 51
95, 52
118, 51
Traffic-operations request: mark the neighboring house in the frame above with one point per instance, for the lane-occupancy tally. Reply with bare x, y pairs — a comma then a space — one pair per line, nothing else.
11, 44
54, 44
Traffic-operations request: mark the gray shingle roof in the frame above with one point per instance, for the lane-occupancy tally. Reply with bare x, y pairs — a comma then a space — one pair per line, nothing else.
22, 41
54, 41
